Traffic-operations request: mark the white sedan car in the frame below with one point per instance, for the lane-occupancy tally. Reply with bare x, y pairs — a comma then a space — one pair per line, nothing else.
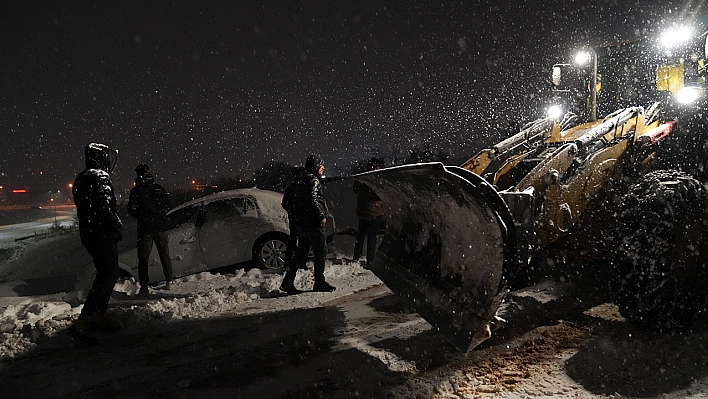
219, 230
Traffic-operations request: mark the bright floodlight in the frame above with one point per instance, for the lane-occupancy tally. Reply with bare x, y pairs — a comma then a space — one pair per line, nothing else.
554, 112
688, 95
582, 58
675, 37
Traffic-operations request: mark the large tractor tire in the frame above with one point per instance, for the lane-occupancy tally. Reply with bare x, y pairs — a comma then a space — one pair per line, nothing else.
661, 262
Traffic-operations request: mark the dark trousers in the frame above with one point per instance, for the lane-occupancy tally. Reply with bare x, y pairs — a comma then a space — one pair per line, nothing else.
315, 238
105, 260
368, 229
292, 245
145, 241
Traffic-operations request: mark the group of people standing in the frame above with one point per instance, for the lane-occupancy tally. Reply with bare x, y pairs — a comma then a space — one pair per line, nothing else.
100, 229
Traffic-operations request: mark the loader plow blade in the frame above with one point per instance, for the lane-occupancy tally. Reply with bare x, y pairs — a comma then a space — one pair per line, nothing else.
449, 236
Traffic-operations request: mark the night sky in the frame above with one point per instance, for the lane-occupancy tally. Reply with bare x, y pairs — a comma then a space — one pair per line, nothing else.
203, 89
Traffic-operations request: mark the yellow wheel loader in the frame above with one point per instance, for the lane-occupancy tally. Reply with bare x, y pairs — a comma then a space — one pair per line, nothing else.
459, 238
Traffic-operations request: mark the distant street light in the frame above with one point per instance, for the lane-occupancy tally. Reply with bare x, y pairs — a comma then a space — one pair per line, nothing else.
582, 58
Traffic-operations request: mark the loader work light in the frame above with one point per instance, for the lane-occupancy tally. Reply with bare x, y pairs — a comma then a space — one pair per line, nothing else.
675, 37
554, 112
688, 94
582, 58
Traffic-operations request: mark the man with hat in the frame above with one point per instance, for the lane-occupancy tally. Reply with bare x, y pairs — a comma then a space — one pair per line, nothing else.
100, 229
310, 210
149, 203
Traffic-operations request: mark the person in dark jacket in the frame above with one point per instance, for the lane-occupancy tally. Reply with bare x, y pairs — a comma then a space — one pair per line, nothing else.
288, 203
311, 212
100, 229
149, 203
369, 210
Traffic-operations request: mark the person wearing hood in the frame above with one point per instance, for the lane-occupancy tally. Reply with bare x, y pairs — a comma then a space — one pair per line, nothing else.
310, 211
100, 229
149, 203
369, 211
288, 203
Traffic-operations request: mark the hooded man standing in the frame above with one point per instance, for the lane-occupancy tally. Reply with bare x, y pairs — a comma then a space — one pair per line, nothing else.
310, 209
149, 203
288, 203
369, 210
100, 229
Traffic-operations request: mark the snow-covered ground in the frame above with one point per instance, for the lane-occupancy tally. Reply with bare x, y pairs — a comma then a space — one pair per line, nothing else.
236, 336
197, 296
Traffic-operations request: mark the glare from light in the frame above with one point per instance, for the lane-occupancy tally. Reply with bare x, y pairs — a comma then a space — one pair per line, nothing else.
675, 37
687, 95
582, 58
554, 112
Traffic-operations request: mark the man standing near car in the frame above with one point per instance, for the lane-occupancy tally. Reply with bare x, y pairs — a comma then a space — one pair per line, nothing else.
149, 203
369, 210
100, 229
311, 216
288, 203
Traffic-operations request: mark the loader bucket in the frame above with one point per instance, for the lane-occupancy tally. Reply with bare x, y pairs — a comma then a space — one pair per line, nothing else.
449, 238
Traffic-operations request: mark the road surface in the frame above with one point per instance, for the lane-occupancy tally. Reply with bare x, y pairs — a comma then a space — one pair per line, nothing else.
34, 221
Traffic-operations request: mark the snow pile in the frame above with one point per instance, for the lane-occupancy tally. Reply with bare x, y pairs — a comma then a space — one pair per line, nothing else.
198, 296
30, 312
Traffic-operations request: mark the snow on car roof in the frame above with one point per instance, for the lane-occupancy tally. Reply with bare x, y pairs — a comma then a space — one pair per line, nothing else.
269, 202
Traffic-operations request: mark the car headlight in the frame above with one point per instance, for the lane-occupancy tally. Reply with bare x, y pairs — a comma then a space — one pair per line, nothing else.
554, 112
688, 95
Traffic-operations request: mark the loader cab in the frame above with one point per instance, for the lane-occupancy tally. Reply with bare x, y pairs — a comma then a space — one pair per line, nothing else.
672, 70
681, 69
569, 92
681, 78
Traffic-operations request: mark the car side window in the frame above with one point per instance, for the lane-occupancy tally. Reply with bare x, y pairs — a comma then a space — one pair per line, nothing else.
182, 216
251, 208
224, 209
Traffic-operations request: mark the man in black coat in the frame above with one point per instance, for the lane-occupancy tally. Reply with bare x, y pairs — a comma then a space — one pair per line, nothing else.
311, 212
369, 210
149, 203
100, 229
288, 203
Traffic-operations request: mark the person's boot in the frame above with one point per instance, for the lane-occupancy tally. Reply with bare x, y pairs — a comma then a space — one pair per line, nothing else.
289, 288
100, 322
322, 286
144, 291
81, 330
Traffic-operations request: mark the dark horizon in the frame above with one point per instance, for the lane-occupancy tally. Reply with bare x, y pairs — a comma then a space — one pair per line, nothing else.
209, 90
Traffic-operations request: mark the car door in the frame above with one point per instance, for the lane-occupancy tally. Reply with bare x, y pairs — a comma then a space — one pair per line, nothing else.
183, 243
226, 231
